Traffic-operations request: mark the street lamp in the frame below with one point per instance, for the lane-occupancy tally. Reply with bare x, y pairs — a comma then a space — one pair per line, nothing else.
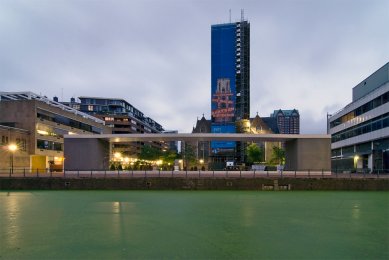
12, 148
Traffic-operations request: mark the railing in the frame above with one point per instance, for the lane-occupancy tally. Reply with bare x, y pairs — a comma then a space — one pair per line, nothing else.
46, 173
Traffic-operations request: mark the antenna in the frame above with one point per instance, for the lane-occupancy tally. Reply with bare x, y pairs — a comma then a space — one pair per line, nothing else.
242, 14
230, 15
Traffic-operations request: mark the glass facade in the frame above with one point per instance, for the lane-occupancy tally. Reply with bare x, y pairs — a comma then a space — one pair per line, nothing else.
45, 115
371, 125
377, 102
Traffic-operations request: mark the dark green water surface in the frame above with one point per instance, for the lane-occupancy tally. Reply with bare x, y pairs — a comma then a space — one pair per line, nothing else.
194, 225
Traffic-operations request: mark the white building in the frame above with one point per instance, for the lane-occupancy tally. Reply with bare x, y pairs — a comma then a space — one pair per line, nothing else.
360, 131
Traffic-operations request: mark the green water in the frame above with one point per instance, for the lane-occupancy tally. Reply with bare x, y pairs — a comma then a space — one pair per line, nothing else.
194, 225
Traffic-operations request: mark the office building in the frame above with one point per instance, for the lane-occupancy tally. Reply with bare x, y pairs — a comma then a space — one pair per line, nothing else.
230, 86
38, 125
360, 131
288, 121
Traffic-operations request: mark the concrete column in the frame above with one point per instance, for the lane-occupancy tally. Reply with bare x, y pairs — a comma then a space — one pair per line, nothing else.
370, 162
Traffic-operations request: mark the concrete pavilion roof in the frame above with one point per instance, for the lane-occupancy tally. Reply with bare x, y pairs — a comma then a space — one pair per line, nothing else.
194, 137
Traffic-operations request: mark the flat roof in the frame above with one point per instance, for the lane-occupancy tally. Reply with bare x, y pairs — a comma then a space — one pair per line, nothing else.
202, 137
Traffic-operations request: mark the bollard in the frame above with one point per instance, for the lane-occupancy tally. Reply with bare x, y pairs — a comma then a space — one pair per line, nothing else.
78, 173
172, 173
378, 174
322, 173
91, 173
254, 173
213, 173
294, 173
240, 173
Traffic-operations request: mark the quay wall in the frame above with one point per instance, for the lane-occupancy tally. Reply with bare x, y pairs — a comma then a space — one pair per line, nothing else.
193, 184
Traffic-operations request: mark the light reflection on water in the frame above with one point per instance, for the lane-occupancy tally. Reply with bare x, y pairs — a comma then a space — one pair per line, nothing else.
248, 215
356, 211
12, 219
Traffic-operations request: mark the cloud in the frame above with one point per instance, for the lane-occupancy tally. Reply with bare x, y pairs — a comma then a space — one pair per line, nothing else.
156, 54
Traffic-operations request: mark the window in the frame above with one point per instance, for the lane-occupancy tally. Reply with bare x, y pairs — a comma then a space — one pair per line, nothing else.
90, 108
4, 140
48, 145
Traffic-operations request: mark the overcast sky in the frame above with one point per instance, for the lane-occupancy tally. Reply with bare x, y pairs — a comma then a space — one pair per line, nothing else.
156, 54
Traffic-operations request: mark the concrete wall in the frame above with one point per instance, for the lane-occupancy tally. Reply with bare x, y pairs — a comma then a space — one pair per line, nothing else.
86, 154
308, 154
21, 158
192, 184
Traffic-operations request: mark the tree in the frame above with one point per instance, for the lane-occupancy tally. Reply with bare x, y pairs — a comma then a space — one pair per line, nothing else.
149, 153
189, 155
254, 153
278, 155
168, 157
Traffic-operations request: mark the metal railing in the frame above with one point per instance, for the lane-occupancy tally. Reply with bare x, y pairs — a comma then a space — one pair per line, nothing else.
46, 173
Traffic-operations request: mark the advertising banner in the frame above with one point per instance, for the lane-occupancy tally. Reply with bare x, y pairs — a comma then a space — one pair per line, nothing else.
223, 102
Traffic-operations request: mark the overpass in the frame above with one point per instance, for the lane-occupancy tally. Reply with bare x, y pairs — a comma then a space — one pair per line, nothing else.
303, 152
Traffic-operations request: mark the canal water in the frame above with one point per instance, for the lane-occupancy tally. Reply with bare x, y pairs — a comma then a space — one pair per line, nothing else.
194, 225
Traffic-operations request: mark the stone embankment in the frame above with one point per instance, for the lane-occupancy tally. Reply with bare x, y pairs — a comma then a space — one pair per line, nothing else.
154, 183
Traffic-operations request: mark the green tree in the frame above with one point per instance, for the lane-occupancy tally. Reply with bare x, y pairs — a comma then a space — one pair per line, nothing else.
149, 153
189, 155
278, 155
168, 157
254, 153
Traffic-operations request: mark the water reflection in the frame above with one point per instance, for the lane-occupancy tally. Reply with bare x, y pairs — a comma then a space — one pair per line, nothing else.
12, 220
355, 212
248, 213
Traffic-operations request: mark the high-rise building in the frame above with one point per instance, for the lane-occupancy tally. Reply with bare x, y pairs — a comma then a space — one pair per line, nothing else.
230, 85
288, 121
360, 131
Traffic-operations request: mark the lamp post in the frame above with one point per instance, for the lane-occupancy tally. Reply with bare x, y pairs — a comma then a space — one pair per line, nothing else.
12, 148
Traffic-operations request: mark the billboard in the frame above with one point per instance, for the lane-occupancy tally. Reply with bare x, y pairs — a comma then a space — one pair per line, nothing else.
223, 102
223, 145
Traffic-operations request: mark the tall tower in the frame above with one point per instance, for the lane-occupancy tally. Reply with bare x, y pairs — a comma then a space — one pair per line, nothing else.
230, 84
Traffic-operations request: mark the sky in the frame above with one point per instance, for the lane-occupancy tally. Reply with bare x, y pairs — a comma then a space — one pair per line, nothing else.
156, 54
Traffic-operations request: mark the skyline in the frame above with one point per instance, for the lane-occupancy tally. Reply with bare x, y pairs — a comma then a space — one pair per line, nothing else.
143, 52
